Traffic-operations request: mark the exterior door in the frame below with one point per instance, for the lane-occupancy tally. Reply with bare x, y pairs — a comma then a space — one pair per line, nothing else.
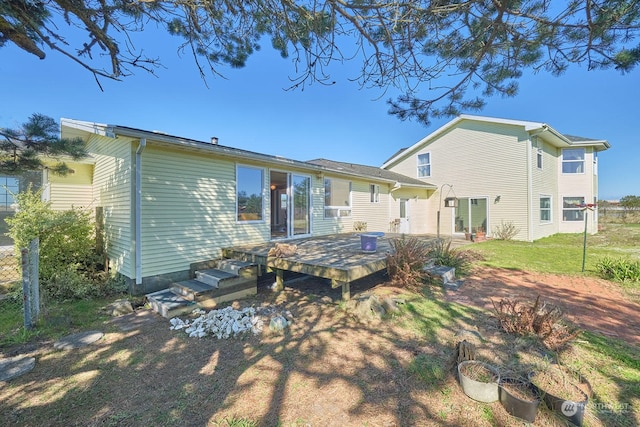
290, 205
403, 227
471, 215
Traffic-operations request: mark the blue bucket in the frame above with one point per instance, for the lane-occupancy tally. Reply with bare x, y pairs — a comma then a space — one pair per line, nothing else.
369, 242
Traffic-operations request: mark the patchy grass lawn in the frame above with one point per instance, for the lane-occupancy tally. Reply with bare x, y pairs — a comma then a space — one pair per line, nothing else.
329, 368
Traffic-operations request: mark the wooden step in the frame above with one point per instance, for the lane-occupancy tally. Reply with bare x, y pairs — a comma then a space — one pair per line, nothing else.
215, 297
222, 279
191, 289
237, 267
169, 304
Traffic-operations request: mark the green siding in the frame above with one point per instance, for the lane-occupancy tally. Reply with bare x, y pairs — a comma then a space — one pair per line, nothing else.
188, 210
112, 191
74, 190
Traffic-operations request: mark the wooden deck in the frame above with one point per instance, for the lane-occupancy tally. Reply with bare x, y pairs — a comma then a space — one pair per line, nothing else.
337, 257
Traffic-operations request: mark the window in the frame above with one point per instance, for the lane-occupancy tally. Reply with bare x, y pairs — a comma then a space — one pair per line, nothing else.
337, 198
595, 163
424, 165
545, 209
539, 158
375, 193
249, 185
8, 187
573, 160
572, 208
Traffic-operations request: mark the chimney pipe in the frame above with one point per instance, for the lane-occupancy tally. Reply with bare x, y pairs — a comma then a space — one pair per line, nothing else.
214, 140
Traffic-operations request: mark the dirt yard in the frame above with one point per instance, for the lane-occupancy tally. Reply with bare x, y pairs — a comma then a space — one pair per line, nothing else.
593, 304
328, 369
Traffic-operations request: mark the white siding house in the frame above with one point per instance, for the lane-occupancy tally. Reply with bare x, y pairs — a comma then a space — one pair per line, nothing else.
505, 171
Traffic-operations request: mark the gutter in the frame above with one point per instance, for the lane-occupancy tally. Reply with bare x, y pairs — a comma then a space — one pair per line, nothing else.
137, 211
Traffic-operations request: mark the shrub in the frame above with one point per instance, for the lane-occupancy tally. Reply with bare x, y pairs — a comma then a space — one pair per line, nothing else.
541, 320
619, 269
405, 264
441, 253
505, 231
69, 264
359, 226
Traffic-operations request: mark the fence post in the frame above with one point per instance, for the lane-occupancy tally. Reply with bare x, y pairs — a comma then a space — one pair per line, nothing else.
34, 263
26, 288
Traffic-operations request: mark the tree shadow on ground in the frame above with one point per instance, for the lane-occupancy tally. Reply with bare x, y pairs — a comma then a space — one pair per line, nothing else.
328, 368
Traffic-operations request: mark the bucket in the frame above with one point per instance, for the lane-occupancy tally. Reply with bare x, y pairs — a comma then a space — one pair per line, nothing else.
369, 242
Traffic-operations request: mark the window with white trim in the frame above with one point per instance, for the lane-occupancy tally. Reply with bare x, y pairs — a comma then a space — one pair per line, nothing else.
572, 208
595, 163
424, 165
374, 189
9, 187
573, 160
545, 209
539, 158
249, 193
337, 198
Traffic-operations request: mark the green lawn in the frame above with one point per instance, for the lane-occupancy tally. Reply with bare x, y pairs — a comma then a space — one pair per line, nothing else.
562, 253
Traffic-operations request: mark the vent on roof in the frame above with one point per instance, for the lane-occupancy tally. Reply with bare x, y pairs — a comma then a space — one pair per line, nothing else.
214, 140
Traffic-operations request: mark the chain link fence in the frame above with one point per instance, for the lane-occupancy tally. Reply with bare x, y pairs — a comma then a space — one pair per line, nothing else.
19, 288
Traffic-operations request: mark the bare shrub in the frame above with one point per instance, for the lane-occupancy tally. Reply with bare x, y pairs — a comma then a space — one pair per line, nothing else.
359, 226
542, 320
405, 264
505, 231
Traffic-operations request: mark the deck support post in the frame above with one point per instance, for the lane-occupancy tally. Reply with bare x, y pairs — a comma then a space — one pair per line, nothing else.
346, 288
279, 279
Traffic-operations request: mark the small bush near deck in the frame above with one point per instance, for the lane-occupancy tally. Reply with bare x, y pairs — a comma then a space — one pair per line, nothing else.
618, 269
405, 264
538, 319
441, 253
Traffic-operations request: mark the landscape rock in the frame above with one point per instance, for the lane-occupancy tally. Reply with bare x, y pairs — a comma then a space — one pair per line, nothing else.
119, 308
278, 324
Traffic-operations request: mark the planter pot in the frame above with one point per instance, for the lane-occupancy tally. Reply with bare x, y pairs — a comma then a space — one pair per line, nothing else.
519, 398
480, 389
369, 242
569, 409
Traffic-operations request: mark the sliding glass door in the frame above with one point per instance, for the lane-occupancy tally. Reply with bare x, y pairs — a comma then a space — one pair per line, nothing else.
290, 205
471, 215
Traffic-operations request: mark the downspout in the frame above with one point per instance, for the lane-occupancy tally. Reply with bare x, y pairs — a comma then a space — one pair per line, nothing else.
138, 211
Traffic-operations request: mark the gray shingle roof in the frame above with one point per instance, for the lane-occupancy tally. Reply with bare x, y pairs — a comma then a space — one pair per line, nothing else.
370, 171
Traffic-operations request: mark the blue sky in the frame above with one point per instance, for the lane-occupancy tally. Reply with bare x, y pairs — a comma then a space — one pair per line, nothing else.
250, 109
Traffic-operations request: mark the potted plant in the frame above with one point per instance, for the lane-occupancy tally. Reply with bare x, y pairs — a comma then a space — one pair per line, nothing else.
480, 234
467, 235
561, 393
479, 380
519, 398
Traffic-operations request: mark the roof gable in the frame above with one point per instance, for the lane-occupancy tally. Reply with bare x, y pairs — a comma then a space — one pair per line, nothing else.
540, 129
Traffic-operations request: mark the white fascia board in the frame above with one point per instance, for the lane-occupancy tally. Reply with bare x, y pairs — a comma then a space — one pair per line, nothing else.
89, 127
